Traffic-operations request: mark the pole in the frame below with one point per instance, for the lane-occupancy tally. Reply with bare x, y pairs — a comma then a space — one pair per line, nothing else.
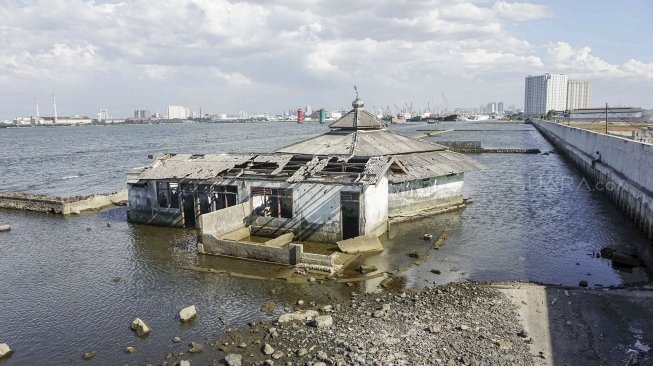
606, 118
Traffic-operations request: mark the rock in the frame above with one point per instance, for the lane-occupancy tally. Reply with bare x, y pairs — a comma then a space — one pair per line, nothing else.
130, 349
268, 307
428, 236
5, 351
195, 347
116, 279
523, 333
176, 339
322, 356
323, 321
140, 327
4, 228
463, 327
300, 302
267, 349
233, 359
642, 347
88, 355
188, 313
277, 355
326, 308
268, 363
242, 345
506, 345
312, 280
365, 269
301, 352
319, 363
184, 363
582, 283
302, 315
436, 271
414, 254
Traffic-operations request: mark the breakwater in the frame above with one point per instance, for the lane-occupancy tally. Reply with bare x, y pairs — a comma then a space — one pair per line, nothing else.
60, 205
622, 171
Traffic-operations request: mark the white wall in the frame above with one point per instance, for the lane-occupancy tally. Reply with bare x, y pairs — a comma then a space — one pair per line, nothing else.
445, 191
376, 208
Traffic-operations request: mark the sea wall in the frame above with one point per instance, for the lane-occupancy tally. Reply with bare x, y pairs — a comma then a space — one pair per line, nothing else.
60, 205
625, 172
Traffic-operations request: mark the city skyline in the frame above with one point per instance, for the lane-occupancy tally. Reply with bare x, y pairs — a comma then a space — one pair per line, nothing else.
263, 57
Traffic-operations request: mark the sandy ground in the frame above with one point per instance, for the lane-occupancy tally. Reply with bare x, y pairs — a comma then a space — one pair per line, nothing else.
574, 326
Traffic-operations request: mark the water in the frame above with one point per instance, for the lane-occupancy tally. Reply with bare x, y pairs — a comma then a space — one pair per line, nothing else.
58, 298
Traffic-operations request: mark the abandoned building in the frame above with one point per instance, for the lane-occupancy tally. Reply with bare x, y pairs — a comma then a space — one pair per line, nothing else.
342, 184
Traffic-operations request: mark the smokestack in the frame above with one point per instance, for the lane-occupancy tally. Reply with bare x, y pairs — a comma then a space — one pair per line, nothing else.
54, 105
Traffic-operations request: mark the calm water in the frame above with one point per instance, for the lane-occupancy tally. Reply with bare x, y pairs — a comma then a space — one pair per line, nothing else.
529, 221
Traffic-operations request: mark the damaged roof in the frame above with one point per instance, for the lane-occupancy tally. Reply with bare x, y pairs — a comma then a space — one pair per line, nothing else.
276, 167
361, 143
358, 119
433, 164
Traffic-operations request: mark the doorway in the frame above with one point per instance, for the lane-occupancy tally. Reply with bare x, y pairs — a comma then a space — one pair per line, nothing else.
350, 214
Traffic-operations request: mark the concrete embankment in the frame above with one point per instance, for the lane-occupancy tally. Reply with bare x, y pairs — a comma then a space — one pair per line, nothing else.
60, 205
623, 173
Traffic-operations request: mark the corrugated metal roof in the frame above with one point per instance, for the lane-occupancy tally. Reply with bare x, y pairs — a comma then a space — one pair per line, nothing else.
274, 166
433, 164
358, 118
361, 143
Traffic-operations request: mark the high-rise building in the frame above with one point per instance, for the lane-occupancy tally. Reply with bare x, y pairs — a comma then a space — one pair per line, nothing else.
500, 107
177, 112
103, 114
544, 93
578, 94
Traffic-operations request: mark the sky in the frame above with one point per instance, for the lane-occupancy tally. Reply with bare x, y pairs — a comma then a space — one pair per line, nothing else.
270, 55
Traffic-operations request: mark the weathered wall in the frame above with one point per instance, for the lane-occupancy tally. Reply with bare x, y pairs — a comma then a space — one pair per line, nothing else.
316, 213
59, 205
223, 221
625, 172
438, 192
143, 208
375, 203
287, 254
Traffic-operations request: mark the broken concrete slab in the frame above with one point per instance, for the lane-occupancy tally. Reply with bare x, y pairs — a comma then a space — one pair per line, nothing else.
360, 244
280, 241
5, 351
298, 315
4, 228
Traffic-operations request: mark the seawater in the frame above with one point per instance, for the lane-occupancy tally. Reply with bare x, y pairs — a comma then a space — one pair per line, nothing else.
73, 284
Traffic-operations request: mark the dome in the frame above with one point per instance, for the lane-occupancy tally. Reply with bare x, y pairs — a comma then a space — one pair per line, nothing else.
357, 103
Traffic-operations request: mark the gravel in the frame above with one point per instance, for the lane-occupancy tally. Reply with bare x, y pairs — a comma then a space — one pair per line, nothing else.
454, 324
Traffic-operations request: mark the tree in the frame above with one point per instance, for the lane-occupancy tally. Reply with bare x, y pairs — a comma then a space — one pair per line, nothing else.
549, 114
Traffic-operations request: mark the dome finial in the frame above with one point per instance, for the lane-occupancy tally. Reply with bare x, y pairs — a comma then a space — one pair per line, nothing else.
357, 103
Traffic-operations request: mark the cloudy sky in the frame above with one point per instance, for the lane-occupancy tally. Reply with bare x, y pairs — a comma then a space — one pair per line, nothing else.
270, 55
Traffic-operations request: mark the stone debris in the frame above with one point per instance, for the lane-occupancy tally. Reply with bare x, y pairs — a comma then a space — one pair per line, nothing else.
233, 359
4, 228
88, 355
176, 339
184, 363
323, 321
267, 349
642, 347
453, 324
5, 351
365, 269
130, 349
140, 327
302, 315
188, 313
268, 307
195, 347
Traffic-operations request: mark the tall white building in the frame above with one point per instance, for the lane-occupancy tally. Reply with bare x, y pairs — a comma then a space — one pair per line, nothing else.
544, 93
578, 94
177, 112
103, 114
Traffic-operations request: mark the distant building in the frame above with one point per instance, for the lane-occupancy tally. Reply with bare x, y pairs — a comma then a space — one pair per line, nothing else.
544, 93
578, 94
177, 112
500, 107
142, 113
613, 114
103, 115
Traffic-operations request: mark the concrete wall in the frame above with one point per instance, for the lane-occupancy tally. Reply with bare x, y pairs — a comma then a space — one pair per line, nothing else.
409, 197
625, 172
143, 207
287, 254
60, 205
375, 201
224, 221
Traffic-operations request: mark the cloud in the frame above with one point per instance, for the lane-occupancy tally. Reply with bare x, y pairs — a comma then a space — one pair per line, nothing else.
579, 61
232, 54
